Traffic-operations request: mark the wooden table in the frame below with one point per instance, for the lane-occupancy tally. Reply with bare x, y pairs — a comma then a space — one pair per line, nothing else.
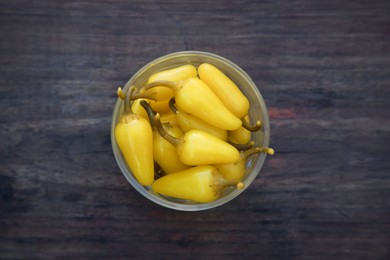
323, 68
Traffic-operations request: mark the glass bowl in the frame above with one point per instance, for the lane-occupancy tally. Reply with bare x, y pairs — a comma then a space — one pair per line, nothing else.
257, 111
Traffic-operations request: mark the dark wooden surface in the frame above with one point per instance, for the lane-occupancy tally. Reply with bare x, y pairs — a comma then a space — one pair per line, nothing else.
323, 68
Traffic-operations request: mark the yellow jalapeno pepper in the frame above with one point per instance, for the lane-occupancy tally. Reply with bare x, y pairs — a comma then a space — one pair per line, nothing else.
165, 153
134, 137
200, 184
176, 74
230, 95
195, 97
163, 93
197, 147
241, 135
189, 122
236, 170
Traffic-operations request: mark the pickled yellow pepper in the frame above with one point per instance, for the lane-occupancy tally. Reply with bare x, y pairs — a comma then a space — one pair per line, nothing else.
241, 135
175, 74
134, 137
189, 122
228, 92
163, 93
230, 95
200, 184
198, 147
195, 97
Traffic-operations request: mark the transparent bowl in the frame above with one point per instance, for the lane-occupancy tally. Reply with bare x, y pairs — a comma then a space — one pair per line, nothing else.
257, 111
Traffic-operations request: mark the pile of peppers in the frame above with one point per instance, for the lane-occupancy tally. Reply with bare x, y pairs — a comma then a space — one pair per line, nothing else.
186, 133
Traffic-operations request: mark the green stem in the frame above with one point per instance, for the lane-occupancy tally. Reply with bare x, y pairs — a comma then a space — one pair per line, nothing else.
219, 184
150, 112
252, 128
129, 93
241, 147
173, 140
254, 150
147, 95
172, 106
228, 183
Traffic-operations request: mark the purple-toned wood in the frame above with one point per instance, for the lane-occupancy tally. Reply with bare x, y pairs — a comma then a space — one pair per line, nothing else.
323, 68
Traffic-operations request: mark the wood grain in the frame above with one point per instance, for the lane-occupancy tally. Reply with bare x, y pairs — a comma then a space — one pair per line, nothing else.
323, 68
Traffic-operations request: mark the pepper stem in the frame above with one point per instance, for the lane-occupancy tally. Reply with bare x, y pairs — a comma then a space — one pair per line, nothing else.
127, 106
252, 128
228, 183
220, 184
173, 140
172, 106
174, 85
150, 112
147, 95
241, 147
254, 150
